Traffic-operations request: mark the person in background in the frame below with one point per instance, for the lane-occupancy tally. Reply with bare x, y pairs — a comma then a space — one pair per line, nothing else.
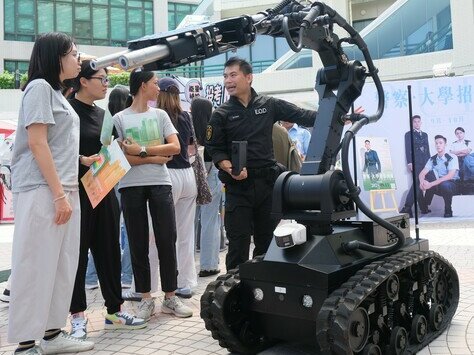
421, 149
184, 185
439, 175
99, 225
299, 135
371, 161
118, 102
462, 150
148, 182
47, 211
201, 110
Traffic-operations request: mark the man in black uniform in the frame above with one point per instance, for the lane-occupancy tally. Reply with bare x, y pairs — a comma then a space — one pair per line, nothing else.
372, 162
422, 155
249, 117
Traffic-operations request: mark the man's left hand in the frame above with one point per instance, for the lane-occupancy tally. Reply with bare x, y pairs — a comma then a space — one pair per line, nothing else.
241, 176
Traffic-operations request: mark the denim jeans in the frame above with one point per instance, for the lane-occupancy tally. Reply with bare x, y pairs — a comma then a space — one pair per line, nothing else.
211, 224
91, 273
126, 259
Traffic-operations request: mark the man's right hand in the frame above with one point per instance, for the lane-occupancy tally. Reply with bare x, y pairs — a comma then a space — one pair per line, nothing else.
410, 167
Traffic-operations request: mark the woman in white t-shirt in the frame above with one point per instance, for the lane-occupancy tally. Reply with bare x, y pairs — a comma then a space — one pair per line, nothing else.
462, 149
149, 141
47, 212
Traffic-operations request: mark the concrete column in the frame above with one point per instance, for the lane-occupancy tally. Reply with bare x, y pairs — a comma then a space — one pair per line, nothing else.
160, 15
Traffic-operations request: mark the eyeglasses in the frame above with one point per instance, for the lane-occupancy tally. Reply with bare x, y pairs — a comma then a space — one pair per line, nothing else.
105, 80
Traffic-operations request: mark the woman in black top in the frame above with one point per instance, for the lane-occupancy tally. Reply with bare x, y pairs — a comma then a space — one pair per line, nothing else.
99, 226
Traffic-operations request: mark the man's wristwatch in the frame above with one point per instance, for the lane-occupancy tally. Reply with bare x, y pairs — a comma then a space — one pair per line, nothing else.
143, 152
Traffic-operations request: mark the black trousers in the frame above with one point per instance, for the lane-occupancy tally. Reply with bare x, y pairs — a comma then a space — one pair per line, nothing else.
247, 212
134, 205
446, 190
100, 232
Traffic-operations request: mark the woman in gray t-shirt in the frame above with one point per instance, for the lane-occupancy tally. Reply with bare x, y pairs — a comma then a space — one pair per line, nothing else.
149, 141
47, 212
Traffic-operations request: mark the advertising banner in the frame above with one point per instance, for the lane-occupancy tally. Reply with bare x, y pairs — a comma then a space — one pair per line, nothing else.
444, 109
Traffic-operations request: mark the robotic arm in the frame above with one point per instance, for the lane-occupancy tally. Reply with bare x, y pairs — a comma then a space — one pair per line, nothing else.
339, 83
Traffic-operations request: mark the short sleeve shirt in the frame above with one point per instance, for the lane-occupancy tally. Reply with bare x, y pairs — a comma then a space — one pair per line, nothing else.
147, 128
44, 105
440, 169
457, 146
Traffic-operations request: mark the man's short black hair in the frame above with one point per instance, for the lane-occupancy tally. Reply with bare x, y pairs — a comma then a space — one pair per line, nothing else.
416, 116
366, 141
459, 129
439, 136
244, 66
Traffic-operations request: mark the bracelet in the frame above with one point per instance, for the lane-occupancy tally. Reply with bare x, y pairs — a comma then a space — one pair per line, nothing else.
59, 198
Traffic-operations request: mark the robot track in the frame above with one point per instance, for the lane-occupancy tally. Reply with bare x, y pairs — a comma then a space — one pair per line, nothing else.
394, 306
221, 310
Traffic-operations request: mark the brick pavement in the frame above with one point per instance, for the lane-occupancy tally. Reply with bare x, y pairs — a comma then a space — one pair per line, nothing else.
170, 335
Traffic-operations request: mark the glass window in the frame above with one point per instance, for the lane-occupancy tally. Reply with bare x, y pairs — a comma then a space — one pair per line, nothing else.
263, 49
148, 22
26, 7
100, 22
118, 24
135, 16
25, 25
64, 18
9, 16
45, 16
12, 65
82, 12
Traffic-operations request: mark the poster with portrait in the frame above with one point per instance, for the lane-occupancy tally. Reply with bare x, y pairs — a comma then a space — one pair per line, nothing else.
445, 108
375, 163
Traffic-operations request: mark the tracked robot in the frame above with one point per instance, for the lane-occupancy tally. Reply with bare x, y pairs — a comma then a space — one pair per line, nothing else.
349, 285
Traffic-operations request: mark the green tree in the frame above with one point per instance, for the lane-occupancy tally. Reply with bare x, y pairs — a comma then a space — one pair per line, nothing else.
119, 79
7, 80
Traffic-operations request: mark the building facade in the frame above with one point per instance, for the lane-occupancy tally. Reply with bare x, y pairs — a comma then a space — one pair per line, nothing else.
98, 26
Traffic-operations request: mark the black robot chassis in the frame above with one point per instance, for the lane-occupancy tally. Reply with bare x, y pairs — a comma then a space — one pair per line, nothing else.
396, 305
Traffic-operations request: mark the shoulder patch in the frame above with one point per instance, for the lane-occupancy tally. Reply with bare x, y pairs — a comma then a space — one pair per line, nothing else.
208, 132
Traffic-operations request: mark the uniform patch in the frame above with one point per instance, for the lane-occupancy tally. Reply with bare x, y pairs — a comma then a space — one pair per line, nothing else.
208, 132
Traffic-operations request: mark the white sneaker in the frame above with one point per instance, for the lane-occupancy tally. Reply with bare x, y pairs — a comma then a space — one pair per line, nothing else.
65, 343
175, 306
78, 327
5, 296
146, 308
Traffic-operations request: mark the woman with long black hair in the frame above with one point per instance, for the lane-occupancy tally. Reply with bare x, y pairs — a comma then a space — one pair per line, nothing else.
149, 140
47, 212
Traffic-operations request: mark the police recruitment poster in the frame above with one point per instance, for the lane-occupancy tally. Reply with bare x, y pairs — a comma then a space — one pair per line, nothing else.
375, 163
444, 138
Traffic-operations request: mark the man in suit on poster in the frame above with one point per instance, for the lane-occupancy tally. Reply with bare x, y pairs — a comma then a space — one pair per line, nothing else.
422, 155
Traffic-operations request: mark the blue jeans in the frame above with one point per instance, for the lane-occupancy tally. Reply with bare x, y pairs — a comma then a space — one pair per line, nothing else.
126, 259
91, 274
211, 224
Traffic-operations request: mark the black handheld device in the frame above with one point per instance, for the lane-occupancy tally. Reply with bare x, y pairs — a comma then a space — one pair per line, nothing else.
239, 156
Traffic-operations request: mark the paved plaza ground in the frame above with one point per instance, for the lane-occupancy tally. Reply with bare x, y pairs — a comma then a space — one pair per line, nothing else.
170, 335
